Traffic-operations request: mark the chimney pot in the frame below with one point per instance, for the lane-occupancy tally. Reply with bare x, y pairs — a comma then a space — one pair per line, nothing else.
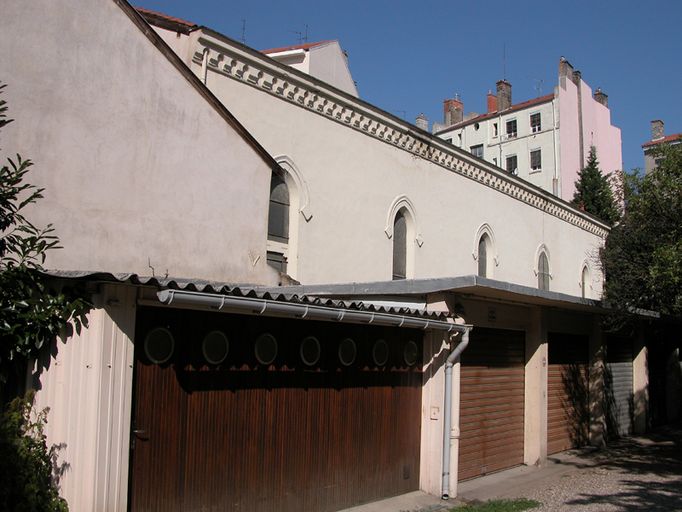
422, 122
453, 111
601, 97
657, 129
492, 102
504, 96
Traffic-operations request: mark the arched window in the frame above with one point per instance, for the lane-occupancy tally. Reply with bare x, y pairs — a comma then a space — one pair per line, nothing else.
543, 272
400, 245
584, 281
483, 245
278, 223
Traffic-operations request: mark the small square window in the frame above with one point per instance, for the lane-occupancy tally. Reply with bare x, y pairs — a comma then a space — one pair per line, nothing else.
512, 164
511, 129
535, 160
535, 123
477, 150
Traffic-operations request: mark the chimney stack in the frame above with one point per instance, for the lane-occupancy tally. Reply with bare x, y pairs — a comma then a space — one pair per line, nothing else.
504, 97
422, 122
601, 97
453, 111
492, 102
577, 76
657, 129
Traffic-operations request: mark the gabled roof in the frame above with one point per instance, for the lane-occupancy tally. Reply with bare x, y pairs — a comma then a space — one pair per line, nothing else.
304, 46
514, 108
164, 21
142, 18
669, 138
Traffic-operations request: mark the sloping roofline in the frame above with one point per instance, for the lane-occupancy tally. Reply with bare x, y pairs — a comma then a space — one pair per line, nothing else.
304, 46
514, 108
141, 23
668, 138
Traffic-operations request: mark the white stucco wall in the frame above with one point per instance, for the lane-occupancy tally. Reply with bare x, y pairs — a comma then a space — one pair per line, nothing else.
139, 169
497, 148
329, 64
353, 179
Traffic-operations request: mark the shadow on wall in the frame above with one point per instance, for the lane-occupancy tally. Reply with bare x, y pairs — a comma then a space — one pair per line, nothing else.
614, 413
576, 402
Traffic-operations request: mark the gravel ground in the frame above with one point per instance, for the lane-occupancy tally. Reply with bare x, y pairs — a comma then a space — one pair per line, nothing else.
642, 474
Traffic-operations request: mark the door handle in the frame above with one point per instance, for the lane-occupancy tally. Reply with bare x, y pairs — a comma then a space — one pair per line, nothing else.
141, 434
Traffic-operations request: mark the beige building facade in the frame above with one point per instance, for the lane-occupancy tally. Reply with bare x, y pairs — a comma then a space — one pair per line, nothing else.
160, 171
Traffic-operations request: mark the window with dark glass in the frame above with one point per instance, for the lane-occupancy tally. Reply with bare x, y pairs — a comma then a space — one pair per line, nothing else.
278, 215
477, 150
400, 246
511, 164
483, 256
511, 129
543, 272
535, 124
535, 160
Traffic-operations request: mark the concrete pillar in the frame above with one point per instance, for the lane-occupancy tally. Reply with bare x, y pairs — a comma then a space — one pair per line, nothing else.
535, 442
597, 353
640, 384
431, 447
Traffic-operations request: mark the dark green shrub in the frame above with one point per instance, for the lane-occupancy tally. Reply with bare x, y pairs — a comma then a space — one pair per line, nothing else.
26, 462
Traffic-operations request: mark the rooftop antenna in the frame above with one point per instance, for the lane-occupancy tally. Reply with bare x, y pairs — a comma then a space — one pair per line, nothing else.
243, 30
305, 39
538, 86
299, 34
504, 61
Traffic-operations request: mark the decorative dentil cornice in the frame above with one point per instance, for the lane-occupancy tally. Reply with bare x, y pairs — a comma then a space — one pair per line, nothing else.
250, 67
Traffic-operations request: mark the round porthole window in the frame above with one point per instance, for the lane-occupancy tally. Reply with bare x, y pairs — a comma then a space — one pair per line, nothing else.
380, 352
159, 345
215, 347
347, 352
266, 349
411, 353
310, 350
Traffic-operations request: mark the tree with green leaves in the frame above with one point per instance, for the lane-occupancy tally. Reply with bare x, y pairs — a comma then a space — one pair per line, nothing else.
32, 310
593, 192
642, 258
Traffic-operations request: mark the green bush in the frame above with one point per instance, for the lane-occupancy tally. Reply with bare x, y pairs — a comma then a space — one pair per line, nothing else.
26, 462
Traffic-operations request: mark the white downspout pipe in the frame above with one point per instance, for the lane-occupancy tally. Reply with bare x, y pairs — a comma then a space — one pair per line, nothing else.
447, 409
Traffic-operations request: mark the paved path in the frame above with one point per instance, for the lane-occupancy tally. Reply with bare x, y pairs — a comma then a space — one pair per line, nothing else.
635, 474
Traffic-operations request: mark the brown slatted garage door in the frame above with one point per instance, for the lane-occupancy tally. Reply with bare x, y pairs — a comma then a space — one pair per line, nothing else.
246, 436
492, 402
567, 392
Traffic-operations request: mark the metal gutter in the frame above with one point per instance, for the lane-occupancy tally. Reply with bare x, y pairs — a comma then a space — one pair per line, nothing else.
447, 410
258, 306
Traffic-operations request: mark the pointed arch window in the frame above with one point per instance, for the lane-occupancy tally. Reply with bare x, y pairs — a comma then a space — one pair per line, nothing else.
584, 282
400, 245
278, 216
483, 246
543, 272
278, 223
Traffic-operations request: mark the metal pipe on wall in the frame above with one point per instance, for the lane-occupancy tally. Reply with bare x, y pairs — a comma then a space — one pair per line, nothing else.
252, 305
447, 409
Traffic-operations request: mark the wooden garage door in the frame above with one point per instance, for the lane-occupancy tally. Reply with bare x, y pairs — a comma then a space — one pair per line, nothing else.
246, 436
567, 392
492, 402
618, 386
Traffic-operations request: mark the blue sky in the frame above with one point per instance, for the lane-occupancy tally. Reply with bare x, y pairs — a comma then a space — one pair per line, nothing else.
406, 57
